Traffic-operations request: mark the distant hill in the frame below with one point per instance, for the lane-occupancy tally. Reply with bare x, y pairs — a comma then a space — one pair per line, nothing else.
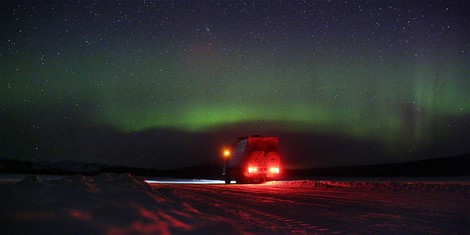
61, 167
448, 166
68, 167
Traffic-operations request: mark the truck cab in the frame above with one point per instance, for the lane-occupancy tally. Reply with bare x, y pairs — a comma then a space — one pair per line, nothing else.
255, 159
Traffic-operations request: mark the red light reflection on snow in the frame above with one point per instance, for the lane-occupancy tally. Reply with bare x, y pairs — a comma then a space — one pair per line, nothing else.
175, 222
153, 222
81, 215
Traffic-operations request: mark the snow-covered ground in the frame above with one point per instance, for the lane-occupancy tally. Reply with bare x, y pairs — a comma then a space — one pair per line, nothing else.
123, 204
104, 204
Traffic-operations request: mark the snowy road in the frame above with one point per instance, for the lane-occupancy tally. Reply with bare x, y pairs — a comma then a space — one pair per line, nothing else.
124, 204
309, 207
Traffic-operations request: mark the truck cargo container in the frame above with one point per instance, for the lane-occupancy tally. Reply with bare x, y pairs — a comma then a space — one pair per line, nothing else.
255, 159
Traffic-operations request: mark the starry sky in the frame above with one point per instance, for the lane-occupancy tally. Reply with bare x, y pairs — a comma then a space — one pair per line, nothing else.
164, 84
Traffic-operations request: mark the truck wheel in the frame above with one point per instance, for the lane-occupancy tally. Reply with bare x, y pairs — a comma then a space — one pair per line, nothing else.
227, 177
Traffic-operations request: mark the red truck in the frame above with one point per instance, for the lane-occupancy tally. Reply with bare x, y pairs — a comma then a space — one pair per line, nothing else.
255, 159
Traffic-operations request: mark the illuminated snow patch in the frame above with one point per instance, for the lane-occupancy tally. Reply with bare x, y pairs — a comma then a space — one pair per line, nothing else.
185, 181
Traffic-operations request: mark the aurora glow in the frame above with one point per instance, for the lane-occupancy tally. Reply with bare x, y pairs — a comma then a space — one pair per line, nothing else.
396, 71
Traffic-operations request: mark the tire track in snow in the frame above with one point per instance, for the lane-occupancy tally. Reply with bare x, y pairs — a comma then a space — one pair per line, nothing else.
251, 219
268, 209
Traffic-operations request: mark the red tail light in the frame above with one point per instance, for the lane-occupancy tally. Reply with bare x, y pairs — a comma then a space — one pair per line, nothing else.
274, 170
252, 169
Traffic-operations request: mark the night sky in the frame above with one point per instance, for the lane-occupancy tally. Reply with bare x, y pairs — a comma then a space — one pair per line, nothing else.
166, 84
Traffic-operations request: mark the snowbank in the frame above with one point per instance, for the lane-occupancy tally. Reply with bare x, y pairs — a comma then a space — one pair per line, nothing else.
104, 204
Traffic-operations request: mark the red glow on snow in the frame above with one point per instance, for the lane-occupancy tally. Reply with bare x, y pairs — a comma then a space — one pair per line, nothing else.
148, 223
175, 222
81, 215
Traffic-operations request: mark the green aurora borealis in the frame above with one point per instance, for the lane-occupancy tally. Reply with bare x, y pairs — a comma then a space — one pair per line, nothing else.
359, 98
403, 82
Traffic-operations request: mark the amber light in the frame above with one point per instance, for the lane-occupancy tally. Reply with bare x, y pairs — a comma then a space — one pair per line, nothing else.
226, 153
